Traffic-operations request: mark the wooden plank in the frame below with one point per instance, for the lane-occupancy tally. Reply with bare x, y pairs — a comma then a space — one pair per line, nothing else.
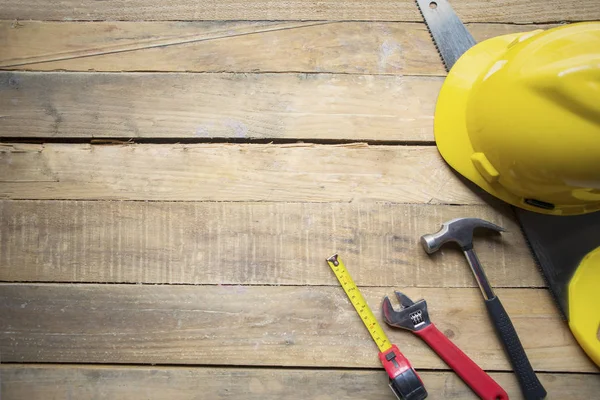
249, 243
262, 325
242, 46
180, 383
241, 106
385, 10
350, 47
231, 172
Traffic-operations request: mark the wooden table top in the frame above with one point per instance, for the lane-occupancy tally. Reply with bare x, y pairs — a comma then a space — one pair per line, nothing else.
173, 178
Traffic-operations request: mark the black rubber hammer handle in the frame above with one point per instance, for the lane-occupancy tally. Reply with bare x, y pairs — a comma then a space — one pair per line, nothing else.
531, 387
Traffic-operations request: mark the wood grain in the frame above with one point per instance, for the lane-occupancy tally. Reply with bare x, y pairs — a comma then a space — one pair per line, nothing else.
386, 10
181, 383
249, 243
262, 325
345, 47
231, 172
330, 47
238, 106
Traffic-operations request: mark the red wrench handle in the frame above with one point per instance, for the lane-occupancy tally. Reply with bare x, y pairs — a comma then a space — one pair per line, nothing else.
481, 383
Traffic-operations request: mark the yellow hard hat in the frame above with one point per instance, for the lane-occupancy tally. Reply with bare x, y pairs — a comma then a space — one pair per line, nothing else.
519, 116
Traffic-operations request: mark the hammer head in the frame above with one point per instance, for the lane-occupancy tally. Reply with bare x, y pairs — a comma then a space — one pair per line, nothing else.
459, 230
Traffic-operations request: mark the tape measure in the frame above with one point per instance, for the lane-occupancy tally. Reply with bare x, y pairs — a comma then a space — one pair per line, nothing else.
359, 303
404, 380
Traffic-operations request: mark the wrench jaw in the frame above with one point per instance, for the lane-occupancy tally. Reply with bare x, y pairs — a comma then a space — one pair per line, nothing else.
404, 300
412, 316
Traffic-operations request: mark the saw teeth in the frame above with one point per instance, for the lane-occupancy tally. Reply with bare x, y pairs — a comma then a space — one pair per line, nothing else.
432, 38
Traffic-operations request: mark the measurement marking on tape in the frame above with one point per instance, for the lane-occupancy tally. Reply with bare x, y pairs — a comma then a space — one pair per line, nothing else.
359, 303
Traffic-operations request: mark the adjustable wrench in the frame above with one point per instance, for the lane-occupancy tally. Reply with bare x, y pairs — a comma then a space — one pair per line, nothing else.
415, 318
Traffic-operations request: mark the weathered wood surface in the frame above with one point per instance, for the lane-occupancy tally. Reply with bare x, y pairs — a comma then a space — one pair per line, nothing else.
384, 10
182, 383
239, 106
262, 325
249, 243
345, 47
244, 228
231, 172
241, 46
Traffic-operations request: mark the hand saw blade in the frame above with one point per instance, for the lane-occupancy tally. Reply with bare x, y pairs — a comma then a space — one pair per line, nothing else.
561, 246
558, 244
449, 34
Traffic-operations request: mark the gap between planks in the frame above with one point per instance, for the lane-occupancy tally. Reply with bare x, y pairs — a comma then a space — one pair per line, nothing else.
117, 141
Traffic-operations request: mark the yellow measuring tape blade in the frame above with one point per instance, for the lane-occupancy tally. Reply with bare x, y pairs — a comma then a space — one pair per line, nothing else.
359, 303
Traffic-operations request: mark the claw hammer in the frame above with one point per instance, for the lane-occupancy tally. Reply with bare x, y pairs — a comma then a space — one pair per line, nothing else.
460, 230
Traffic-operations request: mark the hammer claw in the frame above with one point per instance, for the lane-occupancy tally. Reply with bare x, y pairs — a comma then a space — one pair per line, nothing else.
459, 230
